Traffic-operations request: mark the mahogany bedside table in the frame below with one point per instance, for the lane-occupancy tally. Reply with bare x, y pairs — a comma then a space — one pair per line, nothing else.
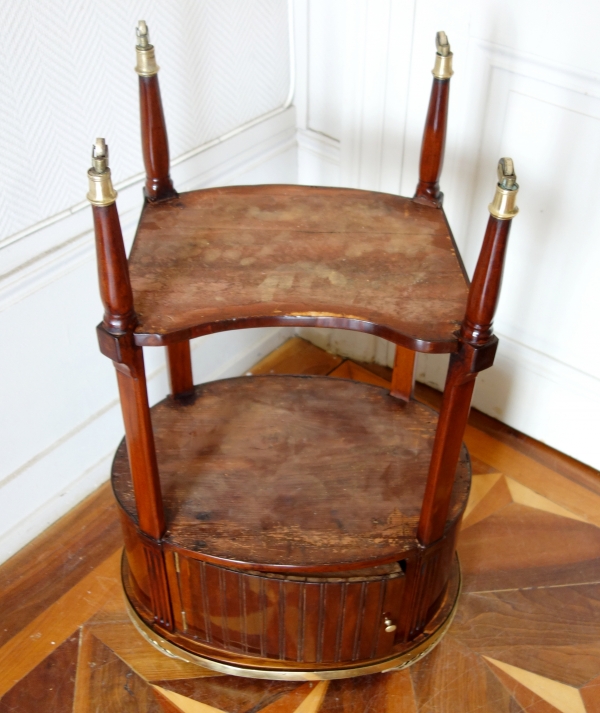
293, 527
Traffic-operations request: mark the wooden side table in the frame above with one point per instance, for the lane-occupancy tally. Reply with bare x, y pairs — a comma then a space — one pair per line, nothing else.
289, 526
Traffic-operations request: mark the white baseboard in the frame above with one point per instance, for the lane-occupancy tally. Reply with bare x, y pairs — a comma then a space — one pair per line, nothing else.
353, 345
318, 159
525, 389
103, 431
536, 394
54, 507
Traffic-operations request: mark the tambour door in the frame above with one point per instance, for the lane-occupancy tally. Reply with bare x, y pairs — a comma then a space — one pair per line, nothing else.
312, 619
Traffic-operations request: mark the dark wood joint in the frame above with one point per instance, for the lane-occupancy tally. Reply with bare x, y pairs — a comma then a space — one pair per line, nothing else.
429, 194
479, 358
117, 347
159, 193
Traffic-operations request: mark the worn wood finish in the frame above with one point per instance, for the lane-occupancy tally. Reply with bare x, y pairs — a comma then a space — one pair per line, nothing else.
434, 142
155, 144
249, 256
302, 580
292, 472
273, 491
403, 377
512, 611
179, 365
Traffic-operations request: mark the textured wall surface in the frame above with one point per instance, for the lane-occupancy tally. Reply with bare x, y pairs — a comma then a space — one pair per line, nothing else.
67, 77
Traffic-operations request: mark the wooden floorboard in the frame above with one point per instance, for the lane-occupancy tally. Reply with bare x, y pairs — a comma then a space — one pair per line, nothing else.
55, 561
526, 636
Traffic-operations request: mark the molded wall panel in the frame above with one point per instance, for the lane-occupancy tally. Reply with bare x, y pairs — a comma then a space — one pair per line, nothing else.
526, 85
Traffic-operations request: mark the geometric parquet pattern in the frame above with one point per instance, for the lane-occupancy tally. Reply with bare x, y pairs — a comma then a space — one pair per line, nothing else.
526, 637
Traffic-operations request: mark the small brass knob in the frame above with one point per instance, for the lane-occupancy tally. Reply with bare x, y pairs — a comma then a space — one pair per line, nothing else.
389, 625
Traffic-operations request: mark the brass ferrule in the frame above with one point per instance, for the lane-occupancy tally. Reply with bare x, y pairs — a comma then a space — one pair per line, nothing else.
504, 205
101, 191
146, 61
443, 66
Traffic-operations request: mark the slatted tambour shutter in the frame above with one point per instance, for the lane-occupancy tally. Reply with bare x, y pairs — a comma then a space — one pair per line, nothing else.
312, 619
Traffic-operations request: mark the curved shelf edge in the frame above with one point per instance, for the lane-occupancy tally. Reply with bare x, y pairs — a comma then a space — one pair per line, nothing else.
322, 321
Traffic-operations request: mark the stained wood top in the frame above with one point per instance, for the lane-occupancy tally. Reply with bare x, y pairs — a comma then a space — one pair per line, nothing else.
274, 255
292, 470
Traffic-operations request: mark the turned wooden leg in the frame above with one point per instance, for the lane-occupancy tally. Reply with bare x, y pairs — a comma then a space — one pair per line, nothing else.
155, 143
116, 338
179, 363
403, 377
116, 341
434, 135
477, 349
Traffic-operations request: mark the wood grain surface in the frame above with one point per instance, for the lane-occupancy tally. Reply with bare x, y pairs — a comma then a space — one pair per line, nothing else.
505, 649
72, 549
268, 255
292, 471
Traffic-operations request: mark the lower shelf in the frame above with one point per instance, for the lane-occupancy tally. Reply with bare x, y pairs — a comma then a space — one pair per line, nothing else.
292, 506
289, 472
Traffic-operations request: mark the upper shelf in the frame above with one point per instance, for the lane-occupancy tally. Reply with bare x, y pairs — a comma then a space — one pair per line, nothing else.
250, 256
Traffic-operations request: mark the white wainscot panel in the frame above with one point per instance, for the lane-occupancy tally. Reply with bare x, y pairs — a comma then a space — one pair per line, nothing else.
547, 118
550, 294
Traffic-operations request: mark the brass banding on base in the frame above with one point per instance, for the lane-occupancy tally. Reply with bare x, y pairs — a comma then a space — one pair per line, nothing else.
393, 663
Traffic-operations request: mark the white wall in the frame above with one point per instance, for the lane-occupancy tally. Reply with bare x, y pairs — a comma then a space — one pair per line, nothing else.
68, 77
526, 85
522, 88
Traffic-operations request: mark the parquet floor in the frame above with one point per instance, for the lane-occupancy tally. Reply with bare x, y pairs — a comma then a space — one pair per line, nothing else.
526, 636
